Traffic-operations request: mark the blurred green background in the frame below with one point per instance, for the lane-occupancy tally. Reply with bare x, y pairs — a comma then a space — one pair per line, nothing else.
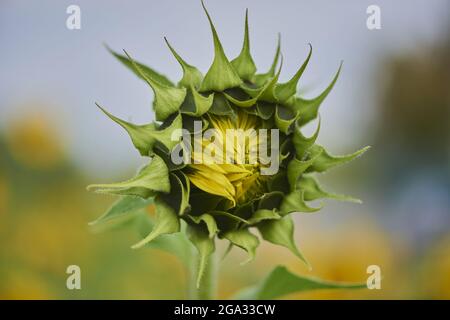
394, 94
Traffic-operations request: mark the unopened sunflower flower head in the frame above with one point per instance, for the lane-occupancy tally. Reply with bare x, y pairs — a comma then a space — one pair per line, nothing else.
226, 154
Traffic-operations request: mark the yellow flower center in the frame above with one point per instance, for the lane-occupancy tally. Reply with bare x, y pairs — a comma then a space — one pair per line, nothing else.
236, 178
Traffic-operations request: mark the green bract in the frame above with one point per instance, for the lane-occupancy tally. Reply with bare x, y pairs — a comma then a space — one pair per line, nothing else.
228, 89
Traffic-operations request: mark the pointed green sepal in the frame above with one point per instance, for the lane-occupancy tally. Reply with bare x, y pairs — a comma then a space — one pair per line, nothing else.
191, 75
196, 104
265, 110
302, 143
245, 240
221, 106
145, 136
178, 198
267, 91
262, 215
169, 133
281, 232
244, 64
167, 99
295, 169
313, 191
209, 222
260, 79
284, 119
166, 222
270, 200
139, 134
324, 161
295, 202
308, 108
241, 103
288, 89
221, 75
176, 244
125, 206
146, 71
154, 177
256, 93
228, 216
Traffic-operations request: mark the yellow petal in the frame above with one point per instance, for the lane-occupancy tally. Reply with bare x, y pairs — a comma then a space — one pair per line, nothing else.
214, 183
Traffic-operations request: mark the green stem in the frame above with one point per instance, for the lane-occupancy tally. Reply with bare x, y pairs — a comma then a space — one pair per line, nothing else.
208, 284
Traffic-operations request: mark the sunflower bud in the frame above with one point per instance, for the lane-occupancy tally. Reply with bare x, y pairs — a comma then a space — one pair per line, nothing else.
227, 153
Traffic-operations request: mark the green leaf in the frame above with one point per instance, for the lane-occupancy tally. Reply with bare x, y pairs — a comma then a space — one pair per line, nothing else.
284, 119
295, 202
221, 75
191, 75
244, 239
281, 282
167, 222
260, 79
205, 247
313, 191
302, 143
196, 104
308, 108
281, 232
288, 89
263, 214
148, 72
167, 99
244, 64
124, 206
324, 161
153, 177
209, 222
145, 136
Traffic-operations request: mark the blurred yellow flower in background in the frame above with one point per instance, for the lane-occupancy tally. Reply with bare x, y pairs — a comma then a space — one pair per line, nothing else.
344, 253
34, 141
